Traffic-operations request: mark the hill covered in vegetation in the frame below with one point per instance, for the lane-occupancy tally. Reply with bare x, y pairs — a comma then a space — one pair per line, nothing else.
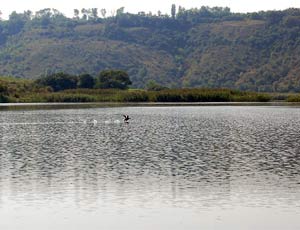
205, 47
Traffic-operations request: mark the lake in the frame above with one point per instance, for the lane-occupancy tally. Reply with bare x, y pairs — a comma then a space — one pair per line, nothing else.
171, 167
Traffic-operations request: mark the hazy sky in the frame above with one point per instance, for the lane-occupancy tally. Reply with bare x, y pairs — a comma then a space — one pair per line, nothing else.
67, 6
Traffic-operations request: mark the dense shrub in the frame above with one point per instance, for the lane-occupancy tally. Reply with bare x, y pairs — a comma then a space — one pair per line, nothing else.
58, 81
134, 96
3, 99
61, 97
294, 98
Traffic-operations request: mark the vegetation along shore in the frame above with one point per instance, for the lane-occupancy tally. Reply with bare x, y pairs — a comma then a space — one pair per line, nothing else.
113, 86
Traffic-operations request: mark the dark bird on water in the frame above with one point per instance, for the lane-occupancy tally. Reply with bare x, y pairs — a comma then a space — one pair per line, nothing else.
126, 118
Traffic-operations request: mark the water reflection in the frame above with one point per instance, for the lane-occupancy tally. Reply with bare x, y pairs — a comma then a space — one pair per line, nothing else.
196, 158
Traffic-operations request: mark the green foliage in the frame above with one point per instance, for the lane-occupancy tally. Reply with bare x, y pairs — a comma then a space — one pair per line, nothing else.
107, 79
13, 90
294, 98
152, 85
173, 11
85, 81
250, 97
120, 11
16, 23
58, 81
193, 95
207, 95
3, 89
3, 98
132, 96
117, 79
62, 97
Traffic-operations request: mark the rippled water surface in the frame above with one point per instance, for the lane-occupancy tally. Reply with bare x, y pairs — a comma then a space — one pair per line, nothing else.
224, 167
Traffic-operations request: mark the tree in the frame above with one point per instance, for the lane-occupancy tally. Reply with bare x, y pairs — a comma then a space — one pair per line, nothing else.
173, 11
120, 11
3, 89
3, 98
76, 13
4, 94
58, 81
46, 17
27, 15
94, 13
84, 13
3, 36
113, 79
85, 81
142, 13
103, 12
15, 23
48, 13
113, 13
152, 85
274, 17
181, 10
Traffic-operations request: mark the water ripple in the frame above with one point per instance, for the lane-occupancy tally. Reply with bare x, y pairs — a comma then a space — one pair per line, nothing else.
184, 156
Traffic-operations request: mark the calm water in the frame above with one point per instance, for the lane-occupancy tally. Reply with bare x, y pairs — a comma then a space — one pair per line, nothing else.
225, 167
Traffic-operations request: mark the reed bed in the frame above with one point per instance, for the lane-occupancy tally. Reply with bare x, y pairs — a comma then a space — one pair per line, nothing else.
135, 95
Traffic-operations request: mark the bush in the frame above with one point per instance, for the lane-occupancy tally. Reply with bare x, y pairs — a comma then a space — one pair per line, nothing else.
3, 99
251, 97
62, 97
116, 79
168, 97
58, 81
135, 96
294, 98
192, 95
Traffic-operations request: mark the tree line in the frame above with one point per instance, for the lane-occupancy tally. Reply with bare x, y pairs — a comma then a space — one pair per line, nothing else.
179, 18
46, 16
107, 79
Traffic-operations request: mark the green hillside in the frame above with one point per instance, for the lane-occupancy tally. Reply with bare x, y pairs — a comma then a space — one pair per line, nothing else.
206, 47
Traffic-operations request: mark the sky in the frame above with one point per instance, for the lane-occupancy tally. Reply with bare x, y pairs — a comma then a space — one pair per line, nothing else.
134, 6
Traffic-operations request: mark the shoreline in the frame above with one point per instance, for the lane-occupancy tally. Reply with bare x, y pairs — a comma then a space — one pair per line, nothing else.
72, 105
